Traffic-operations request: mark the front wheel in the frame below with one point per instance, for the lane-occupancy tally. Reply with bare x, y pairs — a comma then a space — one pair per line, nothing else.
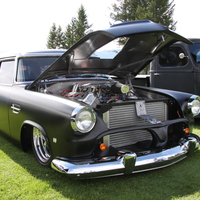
41, 148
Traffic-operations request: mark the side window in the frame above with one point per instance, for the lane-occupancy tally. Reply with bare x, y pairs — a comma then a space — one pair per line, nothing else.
170, 57
195, 52
28, 69
6, 72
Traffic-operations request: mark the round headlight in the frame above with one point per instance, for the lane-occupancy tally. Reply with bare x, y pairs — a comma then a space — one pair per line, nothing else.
83, 119
194, 106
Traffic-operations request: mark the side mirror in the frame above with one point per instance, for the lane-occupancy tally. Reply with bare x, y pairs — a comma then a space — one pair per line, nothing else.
182, 56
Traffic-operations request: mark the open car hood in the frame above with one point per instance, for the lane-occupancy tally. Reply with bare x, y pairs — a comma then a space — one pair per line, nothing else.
144, 40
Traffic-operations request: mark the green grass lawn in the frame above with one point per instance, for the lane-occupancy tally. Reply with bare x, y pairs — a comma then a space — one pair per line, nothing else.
21, 177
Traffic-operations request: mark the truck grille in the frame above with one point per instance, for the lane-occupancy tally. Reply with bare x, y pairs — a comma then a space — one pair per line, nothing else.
125, 115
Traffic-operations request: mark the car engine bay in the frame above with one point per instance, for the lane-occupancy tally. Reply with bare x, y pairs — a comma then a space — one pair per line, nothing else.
92, 92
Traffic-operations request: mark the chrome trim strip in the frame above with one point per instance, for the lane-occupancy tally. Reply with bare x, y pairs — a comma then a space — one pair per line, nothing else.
128, 163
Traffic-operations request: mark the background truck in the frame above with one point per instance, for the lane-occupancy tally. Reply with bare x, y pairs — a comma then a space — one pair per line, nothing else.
177, 68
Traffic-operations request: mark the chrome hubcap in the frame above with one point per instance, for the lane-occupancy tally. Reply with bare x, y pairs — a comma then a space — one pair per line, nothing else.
41, 146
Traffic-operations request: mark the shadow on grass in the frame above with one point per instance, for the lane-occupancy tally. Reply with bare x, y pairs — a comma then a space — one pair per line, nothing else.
176, 181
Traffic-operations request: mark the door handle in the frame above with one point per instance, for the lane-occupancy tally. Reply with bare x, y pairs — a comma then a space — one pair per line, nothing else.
156, 74
15, 108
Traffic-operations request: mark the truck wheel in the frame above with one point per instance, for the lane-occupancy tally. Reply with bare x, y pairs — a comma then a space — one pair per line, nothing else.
41, 148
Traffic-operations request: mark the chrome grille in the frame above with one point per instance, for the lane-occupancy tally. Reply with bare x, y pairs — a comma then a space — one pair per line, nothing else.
125, 115
128, 138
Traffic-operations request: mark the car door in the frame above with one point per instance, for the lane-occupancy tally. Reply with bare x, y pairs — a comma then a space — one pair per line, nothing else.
169, 71
6, 82
194, 50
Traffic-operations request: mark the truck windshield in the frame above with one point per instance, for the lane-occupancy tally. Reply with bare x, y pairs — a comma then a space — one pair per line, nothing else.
30, 68
195, 52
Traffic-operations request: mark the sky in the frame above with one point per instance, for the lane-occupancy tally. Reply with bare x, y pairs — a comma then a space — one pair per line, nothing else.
25, 24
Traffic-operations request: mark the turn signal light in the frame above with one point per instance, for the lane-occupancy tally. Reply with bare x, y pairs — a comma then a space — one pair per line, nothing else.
102, 147
186, 130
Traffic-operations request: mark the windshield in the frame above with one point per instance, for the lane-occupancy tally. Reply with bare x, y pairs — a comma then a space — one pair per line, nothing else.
30, 68
195, 52
108, 51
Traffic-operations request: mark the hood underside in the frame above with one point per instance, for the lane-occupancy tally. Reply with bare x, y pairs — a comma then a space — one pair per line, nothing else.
144, 40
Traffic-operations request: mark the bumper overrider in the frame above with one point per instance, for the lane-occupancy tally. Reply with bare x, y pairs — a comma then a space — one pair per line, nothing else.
128, 163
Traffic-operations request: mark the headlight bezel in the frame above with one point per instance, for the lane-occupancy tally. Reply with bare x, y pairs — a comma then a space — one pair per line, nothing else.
194, 105
83, 119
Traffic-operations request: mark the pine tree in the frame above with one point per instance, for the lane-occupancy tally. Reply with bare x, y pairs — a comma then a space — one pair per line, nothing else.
55, 38
82, 23
74, 31
70, 33
51, 42
160, 11
77, 28
60, 38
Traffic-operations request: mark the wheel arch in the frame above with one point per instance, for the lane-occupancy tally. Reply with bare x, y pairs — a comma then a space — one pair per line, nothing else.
26, 133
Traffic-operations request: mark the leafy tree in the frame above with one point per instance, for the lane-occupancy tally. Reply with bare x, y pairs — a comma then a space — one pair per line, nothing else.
160, 11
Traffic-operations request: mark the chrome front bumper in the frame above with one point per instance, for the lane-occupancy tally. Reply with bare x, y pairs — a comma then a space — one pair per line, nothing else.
128, 163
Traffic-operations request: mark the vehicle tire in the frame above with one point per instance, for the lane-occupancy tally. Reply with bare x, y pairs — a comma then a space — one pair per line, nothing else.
41, 148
